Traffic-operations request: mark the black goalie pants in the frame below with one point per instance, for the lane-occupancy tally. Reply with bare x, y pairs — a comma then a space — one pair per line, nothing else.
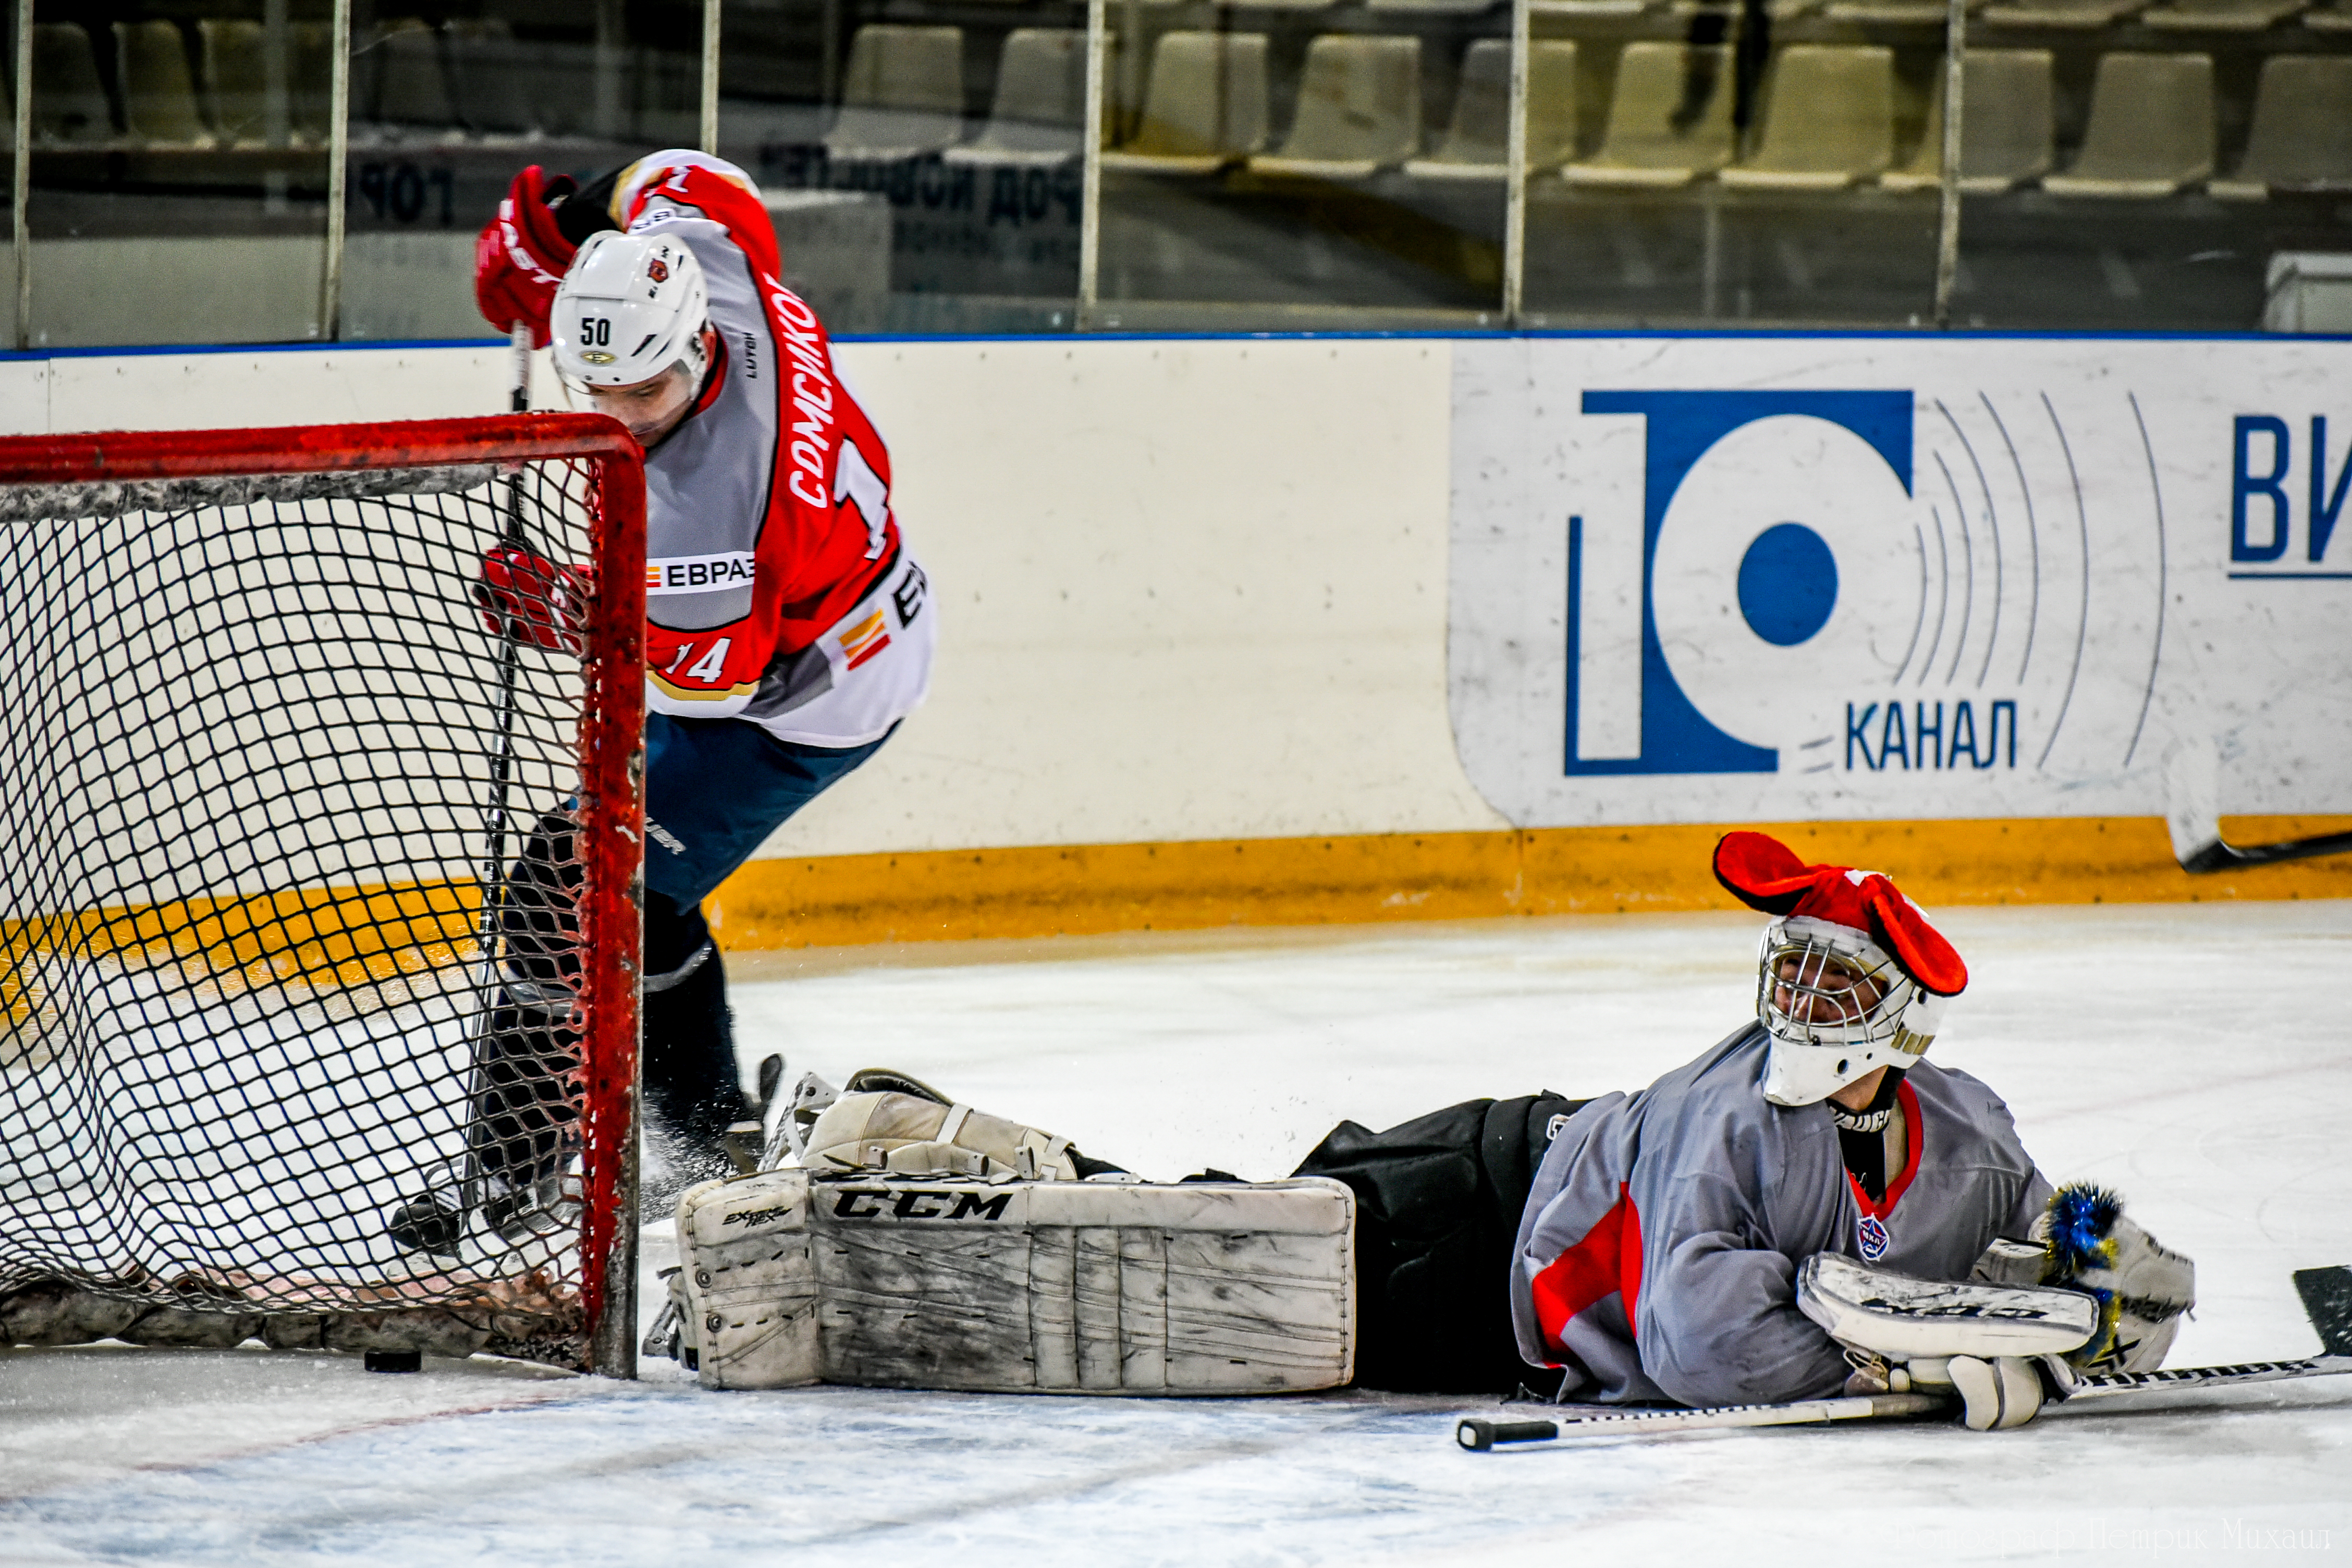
1437, 1212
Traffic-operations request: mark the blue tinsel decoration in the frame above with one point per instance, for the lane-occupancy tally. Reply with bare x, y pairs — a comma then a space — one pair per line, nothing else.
2082, 1230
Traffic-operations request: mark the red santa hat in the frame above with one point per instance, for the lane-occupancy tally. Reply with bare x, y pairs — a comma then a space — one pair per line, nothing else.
1765, 874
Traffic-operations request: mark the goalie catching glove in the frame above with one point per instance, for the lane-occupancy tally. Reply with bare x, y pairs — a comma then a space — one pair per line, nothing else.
2083, 1242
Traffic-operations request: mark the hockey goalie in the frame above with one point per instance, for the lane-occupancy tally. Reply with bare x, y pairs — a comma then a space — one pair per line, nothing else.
1809, 1207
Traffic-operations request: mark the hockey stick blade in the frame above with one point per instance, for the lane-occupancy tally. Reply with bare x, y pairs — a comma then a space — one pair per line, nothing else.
2192, 793
2217, 855
2327, 1301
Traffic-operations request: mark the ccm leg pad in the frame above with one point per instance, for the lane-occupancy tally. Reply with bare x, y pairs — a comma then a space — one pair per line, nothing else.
1193, 1288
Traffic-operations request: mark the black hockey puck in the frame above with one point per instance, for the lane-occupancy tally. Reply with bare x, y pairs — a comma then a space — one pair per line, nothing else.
395, 1361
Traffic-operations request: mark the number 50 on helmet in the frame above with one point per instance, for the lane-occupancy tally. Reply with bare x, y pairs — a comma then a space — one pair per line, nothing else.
632, 307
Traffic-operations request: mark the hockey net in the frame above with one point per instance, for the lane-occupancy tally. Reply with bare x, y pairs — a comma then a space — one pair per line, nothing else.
316, 890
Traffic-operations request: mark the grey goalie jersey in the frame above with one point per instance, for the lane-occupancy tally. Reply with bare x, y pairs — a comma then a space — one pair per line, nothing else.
1657, 1257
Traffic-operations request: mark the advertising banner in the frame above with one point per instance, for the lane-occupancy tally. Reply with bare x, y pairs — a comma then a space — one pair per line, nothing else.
1855, 577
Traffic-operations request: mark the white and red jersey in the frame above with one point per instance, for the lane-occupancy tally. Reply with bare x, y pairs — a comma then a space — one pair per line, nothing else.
777, 587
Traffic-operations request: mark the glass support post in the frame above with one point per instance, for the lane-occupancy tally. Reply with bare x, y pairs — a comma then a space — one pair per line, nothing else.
710, 77
20, 186
338, 155
1515, 173
1090, 166
1947, 218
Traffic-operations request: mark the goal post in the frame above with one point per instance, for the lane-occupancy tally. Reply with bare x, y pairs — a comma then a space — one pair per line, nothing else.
320, 882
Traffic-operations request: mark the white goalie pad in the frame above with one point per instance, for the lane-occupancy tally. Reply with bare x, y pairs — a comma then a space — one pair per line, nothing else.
1895, 1316
1194, 1288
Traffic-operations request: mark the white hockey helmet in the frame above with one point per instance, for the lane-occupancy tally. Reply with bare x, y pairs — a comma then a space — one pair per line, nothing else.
632, 307
1851, 977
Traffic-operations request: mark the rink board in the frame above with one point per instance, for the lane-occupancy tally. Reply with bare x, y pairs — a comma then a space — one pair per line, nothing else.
1267, 630
1703, 579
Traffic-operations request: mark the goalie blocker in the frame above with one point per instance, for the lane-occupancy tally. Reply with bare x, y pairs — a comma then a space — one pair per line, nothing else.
791, 1276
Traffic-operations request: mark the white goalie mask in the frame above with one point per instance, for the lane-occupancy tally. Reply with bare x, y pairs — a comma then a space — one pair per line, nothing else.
631, 308
1851, 977
1838, 1007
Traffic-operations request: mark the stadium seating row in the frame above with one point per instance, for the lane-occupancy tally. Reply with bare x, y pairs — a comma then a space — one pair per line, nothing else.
2175, 15
466, 75
162, 104
1829, 121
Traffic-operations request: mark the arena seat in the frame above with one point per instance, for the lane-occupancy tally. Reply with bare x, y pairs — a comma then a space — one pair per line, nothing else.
1429, 7
159, 93
409, 86
494, 79
69, 103
1205, 105
1477, 140
312, 79
233, 66
1643, 145
2329, 16
1892, 12
903, 92
2300, 138
1828, 120
2081, 15
2006, 130
2220, 15
2150, 130
1574, 8
1358, 109
1040, 109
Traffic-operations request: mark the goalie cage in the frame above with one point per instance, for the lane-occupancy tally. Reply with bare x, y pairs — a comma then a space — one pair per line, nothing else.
265, 774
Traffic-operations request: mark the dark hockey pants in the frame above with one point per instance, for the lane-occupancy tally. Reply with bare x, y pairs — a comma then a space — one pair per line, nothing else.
715, 790
1437, 1213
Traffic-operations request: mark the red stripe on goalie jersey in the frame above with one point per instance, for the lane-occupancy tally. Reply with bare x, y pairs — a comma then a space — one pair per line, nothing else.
829, 533
1606, 1261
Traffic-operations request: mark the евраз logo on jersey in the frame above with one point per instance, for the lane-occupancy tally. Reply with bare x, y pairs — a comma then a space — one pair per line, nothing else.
699, 573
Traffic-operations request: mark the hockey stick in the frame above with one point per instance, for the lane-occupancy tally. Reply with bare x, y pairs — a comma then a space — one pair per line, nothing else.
513, 536
2327, 1300
2192, 793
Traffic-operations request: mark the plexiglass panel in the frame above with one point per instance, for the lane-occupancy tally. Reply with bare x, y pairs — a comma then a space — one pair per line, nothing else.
179, 173
921, 157
1315, 165
448, 102
2153, 172
1733, 164
1282, 165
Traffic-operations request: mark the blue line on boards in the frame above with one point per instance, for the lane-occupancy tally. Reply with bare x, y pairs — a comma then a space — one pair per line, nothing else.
1920, 334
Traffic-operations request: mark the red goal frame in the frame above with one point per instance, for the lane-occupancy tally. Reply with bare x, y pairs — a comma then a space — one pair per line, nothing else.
611, 741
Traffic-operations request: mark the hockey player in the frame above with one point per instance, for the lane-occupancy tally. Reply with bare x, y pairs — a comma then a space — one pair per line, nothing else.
1648, 1248
787, 624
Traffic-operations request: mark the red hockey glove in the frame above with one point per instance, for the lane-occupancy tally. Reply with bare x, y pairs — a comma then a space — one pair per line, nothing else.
541, 601
523, 254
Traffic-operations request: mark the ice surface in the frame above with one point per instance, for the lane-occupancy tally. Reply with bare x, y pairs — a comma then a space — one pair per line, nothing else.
2198, 1057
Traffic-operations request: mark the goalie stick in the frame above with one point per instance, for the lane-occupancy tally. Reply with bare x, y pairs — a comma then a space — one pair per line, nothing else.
2327, 1300
2192, 793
